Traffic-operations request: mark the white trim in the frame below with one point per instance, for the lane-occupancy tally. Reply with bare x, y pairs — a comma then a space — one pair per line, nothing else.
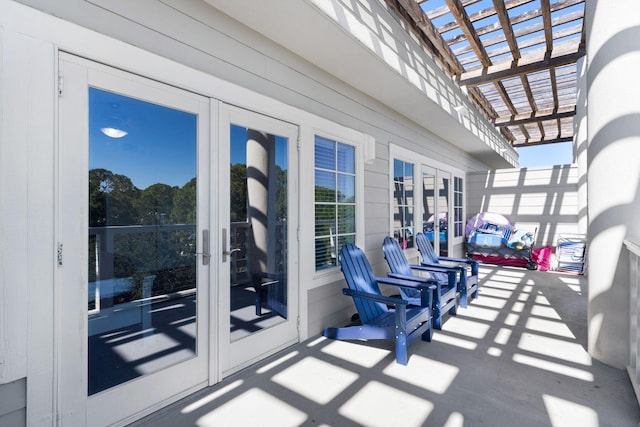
343, 135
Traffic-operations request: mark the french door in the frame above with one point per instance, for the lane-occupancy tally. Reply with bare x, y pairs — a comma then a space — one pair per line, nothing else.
258, 268
134, 220
437, 208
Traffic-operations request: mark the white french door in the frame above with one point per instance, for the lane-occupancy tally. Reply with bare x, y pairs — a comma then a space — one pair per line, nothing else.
437, 208
257, 207
133, 290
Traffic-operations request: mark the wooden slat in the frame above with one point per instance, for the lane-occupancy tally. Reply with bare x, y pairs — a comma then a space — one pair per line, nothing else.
443, 10
565, 32
563, 19
528, 63
527, 90
503, 17
458, 12
505, 97
536, 116
546, 19
554, 87
416, 18
485, 13
533, 142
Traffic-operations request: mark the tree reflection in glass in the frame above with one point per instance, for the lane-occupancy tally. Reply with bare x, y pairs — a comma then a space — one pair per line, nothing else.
142, 238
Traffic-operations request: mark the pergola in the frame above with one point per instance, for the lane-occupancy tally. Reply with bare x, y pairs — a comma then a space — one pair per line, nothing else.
516, 59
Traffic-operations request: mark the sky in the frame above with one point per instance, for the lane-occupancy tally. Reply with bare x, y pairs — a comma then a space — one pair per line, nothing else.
560, 153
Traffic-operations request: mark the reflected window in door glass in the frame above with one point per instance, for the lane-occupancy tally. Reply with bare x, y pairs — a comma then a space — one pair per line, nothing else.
142, 238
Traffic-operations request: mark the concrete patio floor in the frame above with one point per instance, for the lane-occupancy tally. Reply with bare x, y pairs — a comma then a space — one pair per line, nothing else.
515, 357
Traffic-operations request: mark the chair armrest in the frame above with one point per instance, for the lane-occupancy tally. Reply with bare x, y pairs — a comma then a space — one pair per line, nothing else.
460, 260
374, 297
403, 283
438, 268
422, 280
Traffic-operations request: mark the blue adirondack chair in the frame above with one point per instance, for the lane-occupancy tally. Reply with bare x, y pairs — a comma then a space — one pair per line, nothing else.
445, 295
382, 317
468, 284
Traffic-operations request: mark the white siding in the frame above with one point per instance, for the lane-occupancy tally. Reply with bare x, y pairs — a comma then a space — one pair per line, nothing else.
542, 198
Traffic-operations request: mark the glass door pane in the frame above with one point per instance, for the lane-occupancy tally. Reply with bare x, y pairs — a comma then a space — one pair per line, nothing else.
429, 223
443, 213
435, 208
258, 230
257, 272
142, 238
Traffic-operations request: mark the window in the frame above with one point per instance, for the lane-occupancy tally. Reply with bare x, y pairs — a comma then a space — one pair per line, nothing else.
458, 218
335, 200
403, 202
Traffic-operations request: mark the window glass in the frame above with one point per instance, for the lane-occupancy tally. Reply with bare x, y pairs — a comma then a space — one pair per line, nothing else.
335, 195
403, 203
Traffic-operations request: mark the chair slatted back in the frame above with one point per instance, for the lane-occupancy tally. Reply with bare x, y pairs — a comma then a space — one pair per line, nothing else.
426, 249
398, 263
359, 276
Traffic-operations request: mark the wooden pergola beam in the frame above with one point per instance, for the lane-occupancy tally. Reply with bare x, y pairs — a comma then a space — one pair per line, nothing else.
460, 15
503, 17
536, 116
528, 63
546, 20
542, 141
533, 28
416, 18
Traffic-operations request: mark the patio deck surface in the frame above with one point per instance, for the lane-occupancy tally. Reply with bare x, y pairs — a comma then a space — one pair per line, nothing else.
515, 357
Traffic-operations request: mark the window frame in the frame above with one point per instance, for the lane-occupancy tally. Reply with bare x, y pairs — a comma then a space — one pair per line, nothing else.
422, 162
336, 172
364, 151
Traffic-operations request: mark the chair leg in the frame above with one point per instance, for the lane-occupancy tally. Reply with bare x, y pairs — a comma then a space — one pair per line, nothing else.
401, 348
476, 293
426, 335
437, 320
463, 297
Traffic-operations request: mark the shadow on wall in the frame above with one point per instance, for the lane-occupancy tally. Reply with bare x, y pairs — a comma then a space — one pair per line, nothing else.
544, 198
614, 131
417, 66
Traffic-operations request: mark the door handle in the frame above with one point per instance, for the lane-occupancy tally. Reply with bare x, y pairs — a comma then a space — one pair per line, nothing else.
227, 253
206, 252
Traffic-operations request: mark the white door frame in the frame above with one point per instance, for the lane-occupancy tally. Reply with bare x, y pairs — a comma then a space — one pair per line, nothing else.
112, 406
236, 355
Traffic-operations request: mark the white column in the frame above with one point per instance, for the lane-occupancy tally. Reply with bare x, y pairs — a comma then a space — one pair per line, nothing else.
613, 157
580, 143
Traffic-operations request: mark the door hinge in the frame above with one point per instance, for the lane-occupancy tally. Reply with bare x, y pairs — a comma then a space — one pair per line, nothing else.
60, 83
59, 254
298, 324
298, 233
299, 142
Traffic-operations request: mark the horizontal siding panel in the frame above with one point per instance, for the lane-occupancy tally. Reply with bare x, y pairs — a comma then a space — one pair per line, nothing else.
13, 397
327, 306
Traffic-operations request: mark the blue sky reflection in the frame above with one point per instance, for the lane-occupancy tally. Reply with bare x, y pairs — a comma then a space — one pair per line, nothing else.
160, 145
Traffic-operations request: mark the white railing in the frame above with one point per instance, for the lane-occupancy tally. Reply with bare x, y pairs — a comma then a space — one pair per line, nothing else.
633, 245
